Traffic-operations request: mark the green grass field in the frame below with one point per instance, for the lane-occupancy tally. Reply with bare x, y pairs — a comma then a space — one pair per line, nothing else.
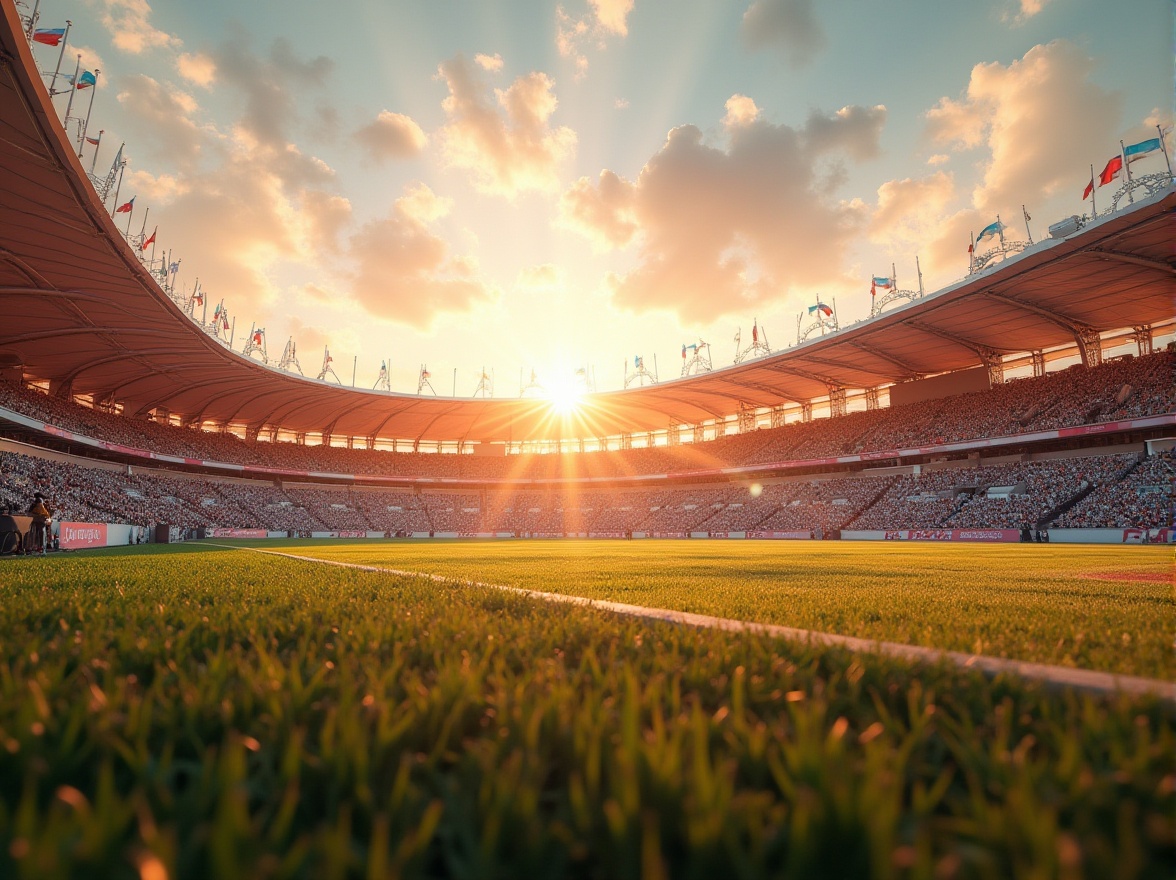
199, 712
1042, 604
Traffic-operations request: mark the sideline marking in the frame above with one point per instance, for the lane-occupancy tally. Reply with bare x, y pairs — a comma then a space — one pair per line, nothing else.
1054, 676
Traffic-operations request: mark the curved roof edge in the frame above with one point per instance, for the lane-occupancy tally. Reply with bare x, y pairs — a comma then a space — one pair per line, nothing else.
93, 320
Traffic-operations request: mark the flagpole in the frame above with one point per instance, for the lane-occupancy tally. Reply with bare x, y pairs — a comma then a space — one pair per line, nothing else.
60, 56
1164, 148
919, 269
97, 147
1127, 168
1027, 232
1093, 200
73, 87
893, 277
32, 20
118, 186
89, 110
971, 253
130, 214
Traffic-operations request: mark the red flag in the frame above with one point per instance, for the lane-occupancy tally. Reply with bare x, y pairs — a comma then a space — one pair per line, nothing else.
1111, 171
1089, 189
49, 36
147, 242
126, 206
873, 288
971, 248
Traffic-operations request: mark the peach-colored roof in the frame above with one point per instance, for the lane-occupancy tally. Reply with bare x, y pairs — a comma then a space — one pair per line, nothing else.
79, 309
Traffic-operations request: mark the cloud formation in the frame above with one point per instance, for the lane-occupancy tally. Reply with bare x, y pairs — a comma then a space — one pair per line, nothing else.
602, 20
1035, 119
505, 140
130, 28
791, 26
269, 83
391, 136
404, 272
719, 230
196, 68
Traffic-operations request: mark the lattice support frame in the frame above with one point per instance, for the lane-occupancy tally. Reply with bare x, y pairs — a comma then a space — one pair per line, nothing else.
872, 398
746, 418
836, 401
994, 361
806, 411
777, 417
1089, 346
1038, 364
1144, 340
674, 434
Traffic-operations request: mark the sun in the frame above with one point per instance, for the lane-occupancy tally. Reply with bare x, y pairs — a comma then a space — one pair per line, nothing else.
564, 397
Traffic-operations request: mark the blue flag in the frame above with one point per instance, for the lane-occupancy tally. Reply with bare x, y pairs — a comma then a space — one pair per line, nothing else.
1136, 150
990, 230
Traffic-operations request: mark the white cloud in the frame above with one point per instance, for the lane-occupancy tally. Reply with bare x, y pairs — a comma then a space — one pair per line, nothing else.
720, 230
197, 68
130, 28
391, 136
489, 62
506, 142
405, 273
790, 26
602, 20
1035, 117
741, 110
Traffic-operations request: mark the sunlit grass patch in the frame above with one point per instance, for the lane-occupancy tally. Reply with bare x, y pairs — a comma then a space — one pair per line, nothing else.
227, 714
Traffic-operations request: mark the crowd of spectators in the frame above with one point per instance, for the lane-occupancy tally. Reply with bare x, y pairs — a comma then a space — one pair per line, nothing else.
1120, 389
1144, 498
1105, 491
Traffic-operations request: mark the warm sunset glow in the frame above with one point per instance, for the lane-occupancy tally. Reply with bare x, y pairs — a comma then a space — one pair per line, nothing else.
543, 182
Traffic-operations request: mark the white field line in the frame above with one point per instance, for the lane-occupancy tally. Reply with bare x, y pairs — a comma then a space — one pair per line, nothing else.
1061, 677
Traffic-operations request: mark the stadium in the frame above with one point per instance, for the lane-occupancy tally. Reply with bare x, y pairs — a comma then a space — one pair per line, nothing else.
773, 618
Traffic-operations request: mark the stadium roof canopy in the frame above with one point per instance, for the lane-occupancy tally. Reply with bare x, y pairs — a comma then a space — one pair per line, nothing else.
82, 312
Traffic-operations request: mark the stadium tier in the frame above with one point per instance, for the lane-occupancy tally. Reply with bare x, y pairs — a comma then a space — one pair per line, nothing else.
854, 478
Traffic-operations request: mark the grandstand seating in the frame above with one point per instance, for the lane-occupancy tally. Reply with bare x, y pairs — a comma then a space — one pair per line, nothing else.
1094, 490
1124, 388
1111, 490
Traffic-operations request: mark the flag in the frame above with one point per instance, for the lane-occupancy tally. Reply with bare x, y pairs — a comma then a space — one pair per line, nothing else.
215, 312
1111, 171
198, 298
990, 230
683, 352
49, 36
754, 334
147, 242
174, 267
1089, 189
971, 248
821, 307
225, 319
425, 374
257, 336
84, 81
91, 140
884, 283
128, 206
873, 288
1136, 151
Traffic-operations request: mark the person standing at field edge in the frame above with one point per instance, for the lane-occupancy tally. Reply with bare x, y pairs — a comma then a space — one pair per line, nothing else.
42, 516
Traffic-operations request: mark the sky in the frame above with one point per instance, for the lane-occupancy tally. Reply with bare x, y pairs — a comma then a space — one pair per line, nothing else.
517, 186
